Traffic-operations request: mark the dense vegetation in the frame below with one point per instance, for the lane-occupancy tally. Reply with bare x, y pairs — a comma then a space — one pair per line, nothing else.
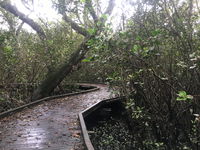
153, 58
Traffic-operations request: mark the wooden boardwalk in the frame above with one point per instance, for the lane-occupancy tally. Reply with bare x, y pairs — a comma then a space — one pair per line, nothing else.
51, 125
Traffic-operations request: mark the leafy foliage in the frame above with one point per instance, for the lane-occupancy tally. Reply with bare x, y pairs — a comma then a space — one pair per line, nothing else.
113, 135
154, 62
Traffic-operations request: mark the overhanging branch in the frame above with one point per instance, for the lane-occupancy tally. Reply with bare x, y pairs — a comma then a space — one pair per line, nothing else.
12, 9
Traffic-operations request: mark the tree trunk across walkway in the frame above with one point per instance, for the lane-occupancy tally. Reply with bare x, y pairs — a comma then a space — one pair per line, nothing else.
52, 125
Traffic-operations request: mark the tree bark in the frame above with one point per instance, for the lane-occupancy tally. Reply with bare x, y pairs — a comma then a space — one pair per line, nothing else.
76, 27
55, 78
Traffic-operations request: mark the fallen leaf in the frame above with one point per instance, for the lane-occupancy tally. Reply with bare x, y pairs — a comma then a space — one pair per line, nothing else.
76, 135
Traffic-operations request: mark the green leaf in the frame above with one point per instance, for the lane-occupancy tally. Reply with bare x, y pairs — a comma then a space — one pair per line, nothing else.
86, 60
135, 48
50, 42
90, 42
8, 49
155, 32
182, 94
138, 38
91, 30
104, 16
89, 59
181, 99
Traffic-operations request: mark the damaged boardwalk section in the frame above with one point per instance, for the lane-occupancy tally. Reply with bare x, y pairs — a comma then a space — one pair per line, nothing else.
51, 125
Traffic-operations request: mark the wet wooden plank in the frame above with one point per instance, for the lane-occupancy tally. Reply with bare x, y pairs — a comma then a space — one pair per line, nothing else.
50, 125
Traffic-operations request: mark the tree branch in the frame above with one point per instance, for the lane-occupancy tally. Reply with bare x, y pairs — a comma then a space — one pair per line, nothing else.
12, 9
19, 28
54, 79
88, 5
75, 26
107, 12
110, 7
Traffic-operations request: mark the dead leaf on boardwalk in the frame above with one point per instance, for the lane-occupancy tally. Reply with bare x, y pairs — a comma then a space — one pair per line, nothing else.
76, 135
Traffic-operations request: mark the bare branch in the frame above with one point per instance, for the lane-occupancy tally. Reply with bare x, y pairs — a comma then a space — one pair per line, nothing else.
12, 9
19, 28
75, 26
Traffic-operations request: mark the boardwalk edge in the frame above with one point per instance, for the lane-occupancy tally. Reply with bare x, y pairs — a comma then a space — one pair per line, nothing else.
9, 112
86, 112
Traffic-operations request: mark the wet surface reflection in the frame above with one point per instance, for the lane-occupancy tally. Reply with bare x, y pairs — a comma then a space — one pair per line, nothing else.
52, 125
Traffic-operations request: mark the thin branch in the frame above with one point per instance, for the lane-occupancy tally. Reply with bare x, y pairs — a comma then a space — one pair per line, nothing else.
19, 28
78, 15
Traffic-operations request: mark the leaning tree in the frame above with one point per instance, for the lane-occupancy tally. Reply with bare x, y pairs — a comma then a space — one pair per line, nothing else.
89, 22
